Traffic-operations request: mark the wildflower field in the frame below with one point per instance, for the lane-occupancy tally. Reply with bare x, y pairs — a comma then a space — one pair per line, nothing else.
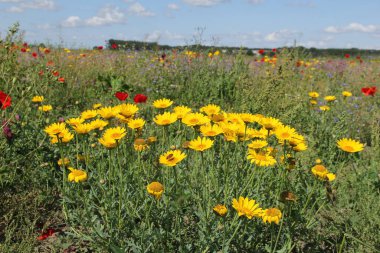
109, 150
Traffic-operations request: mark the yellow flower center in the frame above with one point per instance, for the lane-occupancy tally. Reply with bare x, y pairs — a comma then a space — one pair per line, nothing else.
170, 157
273, 212
348, 148
320, 168
156, 187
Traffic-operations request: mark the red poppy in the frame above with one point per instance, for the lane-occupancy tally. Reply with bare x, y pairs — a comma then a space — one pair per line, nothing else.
261, 51
121, 95
55, 73
114, 46
100, 47
369, 91
25, 44
50, 63
49, 232
5, 100
140, 98
347, 56
34, 54
358, 57
274, 50
61, 79
23, 49
41, 72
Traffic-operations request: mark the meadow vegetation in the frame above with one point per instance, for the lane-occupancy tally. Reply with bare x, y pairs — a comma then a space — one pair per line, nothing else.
187, 151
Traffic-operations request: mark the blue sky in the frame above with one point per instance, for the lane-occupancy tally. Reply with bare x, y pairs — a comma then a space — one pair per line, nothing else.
251, 23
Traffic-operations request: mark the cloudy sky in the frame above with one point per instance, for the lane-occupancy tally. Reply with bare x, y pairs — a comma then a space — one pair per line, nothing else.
251, 23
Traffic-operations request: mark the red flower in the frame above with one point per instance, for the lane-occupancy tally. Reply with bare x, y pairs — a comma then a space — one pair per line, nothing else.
369, 91
41, 72
274, 50
49, 232
347, 56
25, 44
140, 98
261, 51
121, 95
34, 54
23, 49
47, 51
5, 100
61, 79
358, 57
55, 73
114, 46
100, 47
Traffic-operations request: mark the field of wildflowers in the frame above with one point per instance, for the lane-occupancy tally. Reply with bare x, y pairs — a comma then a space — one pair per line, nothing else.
124, 151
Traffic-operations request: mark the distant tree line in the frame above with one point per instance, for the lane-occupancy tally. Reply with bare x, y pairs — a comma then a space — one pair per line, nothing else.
114, 44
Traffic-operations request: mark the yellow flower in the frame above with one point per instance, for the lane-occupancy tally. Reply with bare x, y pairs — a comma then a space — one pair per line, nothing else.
98, 124
210, 109
155, 189
247, 207
77, 175
65, 136
45, 108
300, 147
107, 112
270, 123
262, 133
83, 128
65, 162
55, 129
322, 173
195, 119
172, 158
346, 94
88, 114
123, 119
284, 133
330, 98
115, 133
235, 118
37, 99
140, 145
127, 110
313, 94
201, 144
313, 102
165, 119
75, 121
96, 106
220, 210
211, 130
271, 215
151, 139
136, 123
107, 142
324, 108
296, 139
181, 111
260, 158
162, 103
248, 117
350, 145
258, 144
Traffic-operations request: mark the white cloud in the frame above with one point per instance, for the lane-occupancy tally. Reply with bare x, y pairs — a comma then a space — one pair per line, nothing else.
39, 4
281, 36
353, 27
255, 1
72, 21
204, 2
140, 10
165, 37
173, 7
10, 1
14, 9
106, 16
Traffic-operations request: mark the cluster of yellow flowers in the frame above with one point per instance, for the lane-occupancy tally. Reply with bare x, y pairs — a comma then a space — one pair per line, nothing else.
313, 95
250, 208
40, 99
